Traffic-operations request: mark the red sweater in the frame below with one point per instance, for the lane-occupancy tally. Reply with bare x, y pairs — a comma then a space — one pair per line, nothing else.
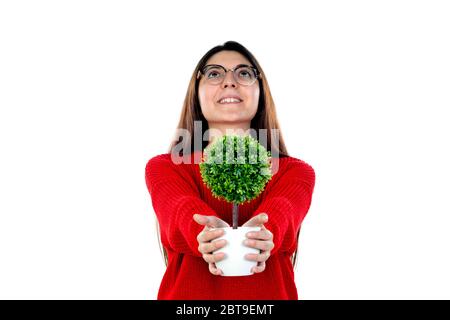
178, 192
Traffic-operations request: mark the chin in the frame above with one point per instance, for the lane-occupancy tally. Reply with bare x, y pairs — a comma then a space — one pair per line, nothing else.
233, 120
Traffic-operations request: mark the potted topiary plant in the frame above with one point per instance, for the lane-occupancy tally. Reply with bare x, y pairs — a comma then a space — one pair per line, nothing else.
236, 169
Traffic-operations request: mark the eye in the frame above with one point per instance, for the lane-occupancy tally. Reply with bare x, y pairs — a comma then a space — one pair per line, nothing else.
246, 73
213, 73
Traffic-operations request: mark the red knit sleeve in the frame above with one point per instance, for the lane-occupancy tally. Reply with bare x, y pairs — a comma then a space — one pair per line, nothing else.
175, 199
286, 201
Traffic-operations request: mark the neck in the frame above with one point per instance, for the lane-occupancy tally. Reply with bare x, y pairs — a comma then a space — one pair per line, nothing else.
217, 130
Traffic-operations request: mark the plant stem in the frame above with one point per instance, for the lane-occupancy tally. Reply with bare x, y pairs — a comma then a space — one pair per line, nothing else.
235, 215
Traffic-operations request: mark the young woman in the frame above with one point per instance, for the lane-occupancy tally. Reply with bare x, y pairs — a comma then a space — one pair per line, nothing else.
228, 93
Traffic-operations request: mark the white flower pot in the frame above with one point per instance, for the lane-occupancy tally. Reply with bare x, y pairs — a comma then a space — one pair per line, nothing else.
235, 263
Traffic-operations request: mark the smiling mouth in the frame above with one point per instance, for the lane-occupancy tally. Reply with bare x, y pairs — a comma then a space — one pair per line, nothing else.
230, 100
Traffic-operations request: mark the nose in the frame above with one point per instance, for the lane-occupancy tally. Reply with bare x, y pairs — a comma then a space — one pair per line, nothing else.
229, 80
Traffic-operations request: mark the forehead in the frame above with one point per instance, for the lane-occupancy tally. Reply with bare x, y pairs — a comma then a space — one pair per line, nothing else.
228, 59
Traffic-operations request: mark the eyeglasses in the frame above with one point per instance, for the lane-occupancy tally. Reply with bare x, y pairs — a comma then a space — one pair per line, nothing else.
243, 74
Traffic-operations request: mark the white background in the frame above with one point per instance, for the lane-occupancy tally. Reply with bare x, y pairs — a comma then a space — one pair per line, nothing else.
91, 90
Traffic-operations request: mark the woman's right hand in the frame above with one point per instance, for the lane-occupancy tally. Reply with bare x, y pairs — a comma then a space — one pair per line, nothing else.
206, 245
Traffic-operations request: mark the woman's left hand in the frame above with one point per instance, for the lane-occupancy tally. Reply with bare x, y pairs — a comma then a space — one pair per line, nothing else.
262, 240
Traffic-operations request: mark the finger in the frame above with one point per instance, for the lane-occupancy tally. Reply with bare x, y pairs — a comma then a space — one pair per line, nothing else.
264, 234
208, 235
259, 268
208, 247
262, 257
257, 221
213, 258
265, 245
214, 270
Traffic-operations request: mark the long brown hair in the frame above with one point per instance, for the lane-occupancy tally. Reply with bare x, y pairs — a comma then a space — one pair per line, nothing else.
265, 117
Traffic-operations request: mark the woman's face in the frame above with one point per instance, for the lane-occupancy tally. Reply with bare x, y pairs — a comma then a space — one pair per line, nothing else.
232, 114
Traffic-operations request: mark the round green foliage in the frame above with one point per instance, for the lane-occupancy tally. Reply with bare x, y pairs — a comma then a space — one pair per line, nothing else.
236, 168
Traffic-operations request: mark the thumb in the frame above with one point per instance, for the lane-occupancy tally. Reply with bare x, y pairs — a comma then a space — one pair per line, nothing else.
201, 219
210, 221
257, 221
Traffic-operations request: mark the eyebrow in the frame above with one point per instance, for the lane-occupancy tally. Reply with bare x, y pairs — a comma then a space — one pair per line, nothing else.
239, 65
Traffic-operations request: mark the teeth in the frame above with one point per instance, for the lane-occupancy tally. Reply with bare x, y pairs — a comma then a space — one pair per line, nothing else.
229, 100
